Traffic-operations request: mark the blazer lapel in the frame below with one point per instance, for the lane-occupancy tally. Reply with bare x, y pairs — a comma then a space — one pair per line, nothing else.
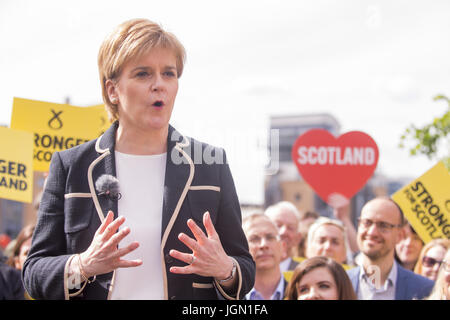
178, 178
401, 286
353, 274
103, 164
178, 172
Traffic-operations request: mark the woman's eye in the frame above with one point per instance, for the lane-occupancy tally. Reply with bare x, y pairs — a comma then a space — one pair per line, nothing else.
169, 74
303, 289
324, 286
141, 74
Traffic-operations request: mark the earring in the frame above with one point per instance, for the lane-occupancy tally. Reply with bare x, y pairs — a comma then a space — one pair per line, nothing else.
114, 100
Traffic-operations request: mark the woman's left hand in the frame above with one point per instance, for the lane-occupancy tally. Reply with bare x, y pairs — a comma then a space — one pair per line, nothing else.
208, 257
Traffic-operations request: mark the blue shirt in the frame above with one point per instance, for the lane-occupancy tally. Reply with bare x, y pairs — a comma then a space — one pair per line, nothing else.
277, 295
371, 290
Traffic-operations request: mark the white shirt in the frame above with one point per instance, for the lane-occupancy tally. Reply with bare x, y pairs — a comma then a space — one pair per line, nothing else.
376, 291
141, 182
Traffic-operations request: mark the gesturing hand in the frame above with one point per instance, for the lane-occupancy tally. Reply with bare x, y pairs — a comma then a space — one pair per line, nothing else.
103, 256
208, 257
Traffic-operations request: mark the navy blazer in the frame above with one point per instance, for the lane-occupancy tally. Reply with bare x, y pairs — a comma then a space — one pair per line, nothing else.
71, 211
408, 286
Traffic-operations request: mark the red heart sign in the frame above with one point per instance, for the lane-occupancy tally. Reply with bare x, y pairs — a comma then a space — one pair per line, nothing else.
336, 168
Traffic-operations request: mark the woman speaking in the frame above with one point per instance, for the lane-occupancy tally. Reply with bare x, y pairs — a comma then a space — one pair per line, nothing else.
130, 215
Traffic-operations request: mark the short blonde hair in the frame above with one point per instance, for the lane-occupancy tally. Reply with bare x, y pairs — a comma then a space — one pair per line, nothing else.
333, 222
130, 40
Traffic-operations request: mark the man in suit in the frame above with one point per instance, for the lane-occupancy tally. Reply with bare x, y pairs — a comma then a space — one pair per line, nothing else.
266, 249
379, 277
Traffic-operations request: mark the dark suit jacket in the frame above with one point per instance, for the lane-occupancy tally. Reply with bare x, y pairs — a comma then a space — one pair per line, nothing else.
71, 211
408, 286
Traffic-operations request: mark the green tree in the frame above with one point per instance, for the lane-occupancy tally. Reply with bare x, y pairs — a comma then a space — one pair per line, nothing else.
426, 140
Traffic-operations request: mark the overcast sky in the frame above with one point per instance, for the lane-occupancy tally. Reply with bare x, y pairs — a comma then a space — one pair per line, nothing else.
374, 65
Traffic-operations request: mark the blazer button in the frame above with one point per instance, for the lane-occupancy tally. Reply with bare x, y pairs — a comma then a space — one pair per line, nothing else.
168, 258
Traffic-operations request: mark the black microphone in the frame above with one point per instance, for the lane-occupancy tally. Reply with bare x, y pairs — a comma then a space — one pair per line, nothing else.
108, 185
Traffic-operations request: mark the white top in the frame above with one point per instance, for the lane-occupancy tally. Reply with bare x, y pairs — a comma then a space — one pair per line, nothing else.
141, 182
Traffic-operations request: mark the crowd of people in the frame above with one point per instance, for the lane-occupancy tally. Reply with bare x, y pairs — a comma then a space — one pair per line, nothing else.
391, 263
298, 262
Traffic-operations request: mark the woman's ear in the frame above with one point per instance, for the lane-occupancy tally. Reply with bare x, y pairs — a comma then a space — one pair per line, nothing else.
112, 91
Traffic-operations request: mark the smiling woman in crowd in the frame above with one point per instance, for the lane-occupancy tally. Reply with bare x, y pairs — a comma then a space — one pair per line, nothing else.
431, 257
441, 289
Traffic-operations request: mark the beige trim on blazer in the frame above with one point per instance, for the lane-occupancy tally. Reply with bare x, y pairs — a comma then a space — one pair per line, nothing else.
202, 285
174, 216
77, 195
66, 278
92, 187
239, 275
212, 188
67, 271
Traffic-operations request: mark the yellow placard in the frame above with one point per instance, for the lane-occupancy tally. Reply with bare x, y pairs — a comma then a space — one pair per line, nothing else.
57, 126
16, 165
426, 203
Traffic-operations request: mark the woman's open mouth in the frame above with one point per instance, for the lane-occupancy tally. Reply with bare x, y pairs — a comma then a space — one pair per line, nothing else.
158, 104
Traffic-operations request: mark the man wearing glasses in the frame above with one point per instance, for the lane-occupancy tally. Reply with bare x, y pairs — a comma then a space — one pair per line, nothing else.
267, 249
378, 276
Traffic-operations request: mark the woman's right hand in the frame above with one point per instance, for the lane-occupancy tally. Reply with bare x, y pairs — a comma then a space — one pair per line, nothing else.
103, 255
